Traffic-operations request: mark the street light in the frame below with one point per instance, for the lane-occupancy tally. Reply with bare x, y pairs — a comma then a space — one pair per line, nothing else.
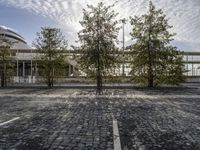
123, 65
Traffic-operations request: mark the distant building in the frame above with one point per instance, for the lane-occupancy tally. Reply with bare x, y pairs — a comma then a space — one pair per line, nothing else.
18, 40
27, 68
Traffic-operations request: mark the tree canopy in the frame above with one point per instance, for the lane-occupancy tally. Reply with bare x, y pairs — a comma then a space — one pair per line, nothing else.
6, 61
51, 45
98, 39
155, 61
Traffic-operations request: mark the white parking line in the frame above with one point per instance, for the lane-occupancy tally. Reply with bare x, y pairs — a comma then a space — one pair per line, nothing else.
10, 121
116, 137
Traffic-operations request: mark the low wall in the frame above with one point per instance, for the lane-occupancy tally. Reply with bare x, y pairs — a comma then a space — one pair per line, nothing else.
193, 79
34, 79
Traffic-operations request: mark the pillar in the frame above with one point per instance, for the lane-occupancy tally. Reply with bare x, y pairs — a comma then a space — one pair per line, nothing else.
187, 65
192, 67
31, 64
36, 69
17, 68
23, 69
69, 70
31, 68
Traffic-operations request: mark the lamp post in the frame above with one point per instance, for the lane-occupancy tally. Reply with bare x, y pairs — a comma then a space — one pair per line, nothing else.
123, 65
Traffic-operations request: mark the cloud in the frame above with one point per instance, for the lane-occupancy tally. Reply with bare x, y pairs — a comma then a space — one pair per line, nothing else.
182, 14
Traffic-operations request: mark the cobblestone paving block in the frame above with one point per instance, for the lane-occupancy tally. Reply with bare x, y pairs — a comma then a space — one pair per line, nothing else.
70, 122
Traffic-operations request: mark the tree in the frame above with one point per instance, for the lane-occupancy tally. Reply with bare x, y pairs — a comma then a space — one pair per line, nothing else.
51, 44
155, 61
98, 38
6, 61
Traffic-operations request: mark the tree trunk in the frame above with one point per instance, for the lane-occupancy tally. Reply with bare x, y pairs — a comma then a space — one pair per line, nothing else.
99, 82
2, 79
150, 81
150, 70
3, 76
49, 83
99, 73
53, 75
150, 57
99, 79
52, 81
49, 80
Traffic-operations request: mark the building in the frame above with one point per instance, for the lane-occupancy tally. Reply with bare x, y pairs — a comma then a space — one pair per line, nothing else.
18, 40
21, 51
26, 58
27, 68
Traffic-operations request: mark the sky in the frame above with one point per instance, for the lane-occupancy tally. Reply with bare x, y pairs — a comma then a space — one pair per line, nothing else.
28, 16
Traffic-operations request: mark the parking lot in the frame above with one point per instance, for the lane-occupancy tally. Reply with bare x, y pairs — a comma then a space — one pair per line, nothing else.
34, 119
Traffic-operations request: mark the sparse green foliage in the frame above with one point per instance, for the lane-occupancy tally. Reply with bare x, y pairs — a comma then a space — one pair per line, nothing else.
154, 60
52, 60
98, 38
6, 61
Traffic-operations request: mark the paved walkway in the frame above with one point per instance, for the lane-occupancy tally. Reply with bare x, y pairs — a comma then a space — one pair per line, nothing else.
76, 119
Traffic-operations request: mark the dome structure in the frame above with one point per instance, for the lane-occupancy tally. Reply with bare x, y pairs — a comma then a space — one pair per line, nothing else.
10, 34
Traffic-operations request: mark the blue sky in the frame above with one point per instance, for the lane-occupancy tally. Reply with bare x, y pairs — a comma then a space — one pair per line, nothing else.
23, 22
28, 16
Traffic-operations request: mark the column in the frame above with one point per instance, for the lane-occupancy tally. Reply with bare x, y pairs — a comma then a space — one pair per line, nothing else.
187, 65
36, 69
69, 73
31, 64
192, 67
35, 73
23, 69
17, 68
17, 64
73, 70
31, 68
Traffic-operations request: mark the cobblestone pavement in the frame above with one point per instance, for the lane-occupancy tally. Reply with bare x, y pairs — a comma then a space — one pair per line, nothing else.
162, 119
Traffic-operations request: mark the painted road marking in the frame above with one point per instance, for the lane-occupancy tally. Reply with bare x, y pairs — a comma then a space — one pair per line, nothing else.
116, 137
10, 121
